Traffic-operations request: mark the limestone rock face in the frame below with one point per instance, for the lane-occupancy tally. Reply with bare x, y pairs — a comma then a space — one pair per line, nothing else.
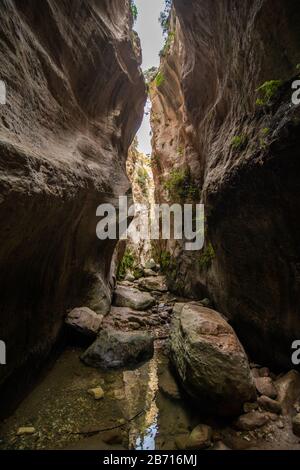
114, 349
210, 136
71, 76
210, 360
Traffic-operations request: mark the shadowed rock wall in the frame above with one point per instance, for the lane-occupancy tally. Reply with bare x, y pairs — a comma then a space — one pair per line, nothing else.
75, 98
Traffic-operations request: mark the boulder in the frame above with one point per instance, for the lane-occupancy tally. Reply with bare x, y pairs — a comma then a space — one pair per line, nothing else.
150, 273
210, 360
296, 425
265, 386
116, 349
269, 405
132, 298
155, 283
288, 390
200, 438
250, 421
83, 320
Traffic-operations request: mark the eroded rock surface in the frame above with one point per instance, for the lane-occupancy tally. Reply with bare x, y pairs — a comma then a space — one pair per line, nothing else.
214, 142
72, 75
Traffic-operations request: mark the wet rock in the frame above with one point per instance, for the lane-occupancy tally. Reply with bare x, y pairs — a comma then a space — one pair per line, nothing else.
156, 283
269, 405
288, 389
83, 320
25, 430
132, 298
250, 421
210, 360
115, 349
265, 386
296, 424
168, 385
97, 393
200, 438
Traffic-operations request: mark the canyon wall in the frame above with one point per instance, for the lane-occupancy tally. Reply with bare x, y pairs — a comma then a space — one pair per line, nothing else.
140, 175
75, 98
215, 133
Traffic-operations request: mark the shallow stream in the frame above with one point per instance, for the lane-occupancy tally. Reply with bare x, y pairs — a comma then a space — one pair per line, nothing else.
133, 414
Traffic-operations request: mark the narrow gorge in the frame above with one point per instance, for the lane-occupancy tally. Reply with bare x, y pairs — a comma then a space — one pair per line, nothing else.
136, 342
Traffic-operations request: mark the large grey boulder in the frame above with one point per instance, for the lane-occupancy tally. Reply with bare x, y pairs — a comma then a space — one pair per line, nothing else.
153, 283
210, 360
132, 298
83, 320
117, 349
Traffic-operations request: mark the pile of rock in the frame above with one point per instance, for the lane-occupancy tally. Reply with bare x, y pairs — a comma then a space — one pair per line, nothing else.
123, 338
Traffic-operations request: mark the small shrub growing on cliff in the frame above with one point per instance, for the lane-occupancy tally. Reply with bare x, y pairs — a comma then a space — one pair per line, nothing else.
164, 17
169, 41
207, 257
126, 264
267, 91
142, 180
150, 75
180, 186
239, 142
263, 135
180, 151
159, 79
134, 10
165, 261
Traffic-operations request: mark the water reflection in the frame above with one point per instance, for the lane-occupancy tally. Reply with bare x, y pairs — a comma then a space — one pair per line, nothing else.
141, 387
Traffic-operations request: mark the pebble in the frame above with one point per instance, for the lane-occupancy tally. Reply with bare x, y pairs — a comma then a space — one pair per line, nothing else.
25, 430
200, 437
97, 393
